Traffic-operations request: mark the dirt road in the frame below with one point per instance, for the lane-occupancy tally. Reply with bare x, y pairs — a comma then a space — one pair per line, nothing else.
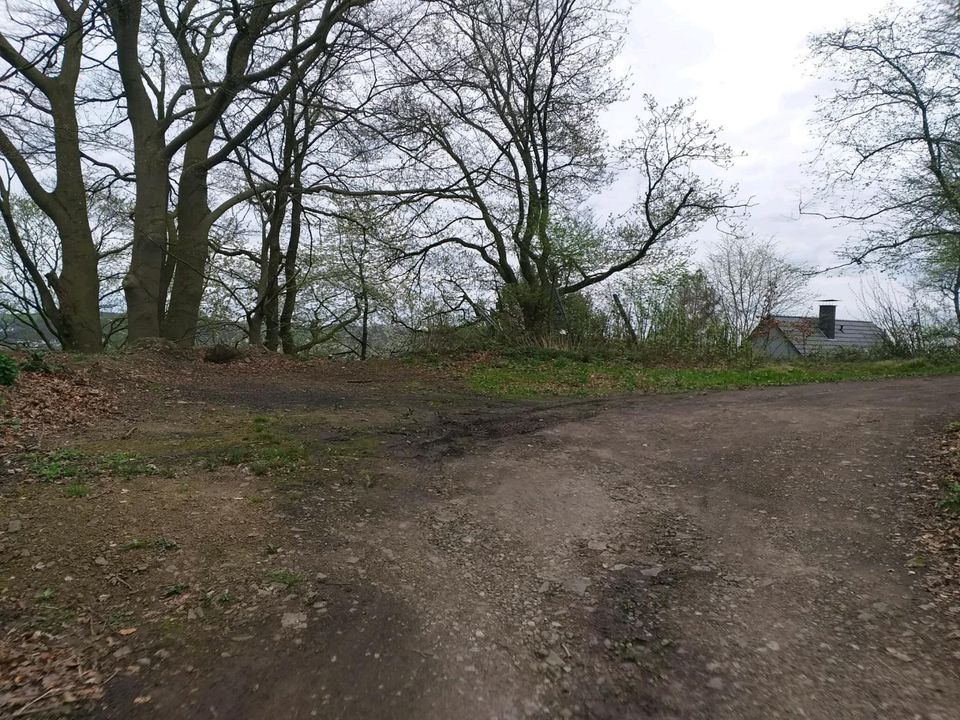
733, 555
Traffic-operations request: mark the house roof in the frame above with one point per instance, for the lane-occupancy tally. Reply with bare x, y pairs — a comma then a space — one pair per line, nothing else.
805, 335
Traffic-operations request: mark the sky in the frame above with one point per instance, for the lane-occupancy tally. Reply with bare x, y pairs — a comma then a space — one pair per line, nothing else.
744, 61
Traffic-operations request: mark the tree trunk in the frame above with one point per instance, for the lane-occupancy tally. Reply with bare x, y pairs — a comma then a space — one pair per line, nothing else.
956, 298
625, 317
255, 329
536, 309
69, 301
255, 316
290, 279
266, 311
143, 281
365, 325
271, 299
78, 286
271, 308
78, 293
191, 250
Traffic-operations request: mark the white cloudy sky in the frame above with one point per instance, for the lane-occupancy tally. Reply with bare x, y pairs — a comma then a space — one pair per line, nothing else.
744, 62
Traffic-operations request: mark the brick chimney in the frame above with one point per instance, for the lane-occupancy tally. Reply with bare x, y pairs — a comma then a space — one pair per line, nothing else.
828, 320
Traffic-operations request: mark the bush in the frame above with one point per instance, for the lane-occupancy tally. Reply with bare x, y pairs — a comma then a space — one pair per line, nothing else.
583, 321
221, 353
37, 362
8, 370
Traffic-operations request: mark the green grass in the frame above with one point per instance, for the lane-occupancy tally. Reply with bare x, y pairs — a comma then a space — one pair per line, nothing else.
69, 464
175, 590
952, 500
76, 490
284, 577
57, 465
521, 376
264, 449
125, 465
165, 544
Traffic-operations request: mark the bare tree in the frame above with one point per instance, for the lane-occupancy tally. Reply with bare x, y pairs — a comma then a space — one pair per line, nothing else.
753, 281
498, 134
906, 319
185, 83
30, 250
937, 269
42, 54
306, 144
227, 53
891, 131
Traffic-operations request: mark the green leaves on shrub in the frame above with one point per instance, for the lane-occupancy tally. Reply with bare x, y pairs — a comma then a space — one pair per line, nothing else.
8, 370
37, 362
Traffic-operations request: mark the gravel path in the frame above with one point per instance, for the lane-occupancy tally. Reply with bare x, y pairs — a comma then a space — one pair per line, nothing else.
734, 555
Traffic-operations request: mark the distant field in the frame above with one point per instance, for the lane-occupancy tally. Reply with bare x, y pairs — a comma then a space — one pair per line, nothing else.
527, 376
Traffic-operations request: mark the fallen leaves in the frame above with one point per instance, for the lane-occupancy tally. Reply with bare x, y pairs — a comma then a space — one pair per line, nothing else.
937, 546
38, 675
43, 403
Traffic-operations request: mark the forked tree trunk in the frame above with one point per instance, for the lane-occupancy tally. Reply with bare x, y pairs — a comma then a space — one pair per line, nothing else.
77, 287
143, 283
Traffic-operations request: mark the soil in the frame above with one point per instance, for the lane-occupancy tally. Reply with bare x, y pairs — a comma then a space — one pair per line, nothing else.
431, 554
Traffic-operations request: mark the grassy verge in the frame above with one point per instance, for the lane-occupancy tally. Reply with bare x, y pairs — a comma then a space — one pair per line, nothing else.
521, 376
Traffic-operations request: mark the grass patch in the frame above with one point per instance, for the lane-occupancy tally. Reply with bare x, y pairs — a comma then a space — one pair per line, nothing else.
262, 459
265, 449
163, 544
284, 577
126, 465
224, 598
76, 490
49, 616
540, 374
57, 465
175, 590
951, 501
68, 464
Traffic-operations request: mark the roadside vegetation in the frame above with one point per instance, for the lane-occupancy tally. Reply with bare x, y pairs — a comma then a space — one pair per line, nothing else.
531, 374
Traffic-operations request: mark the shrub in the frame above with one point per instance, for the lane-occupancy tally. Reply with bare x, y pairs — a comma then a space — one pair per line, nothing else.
221, 353
36, 362
8, 370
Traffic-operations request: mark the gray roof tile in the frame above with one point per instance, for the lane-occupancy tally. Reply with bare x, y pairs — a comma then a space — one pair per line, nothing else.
806, 337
